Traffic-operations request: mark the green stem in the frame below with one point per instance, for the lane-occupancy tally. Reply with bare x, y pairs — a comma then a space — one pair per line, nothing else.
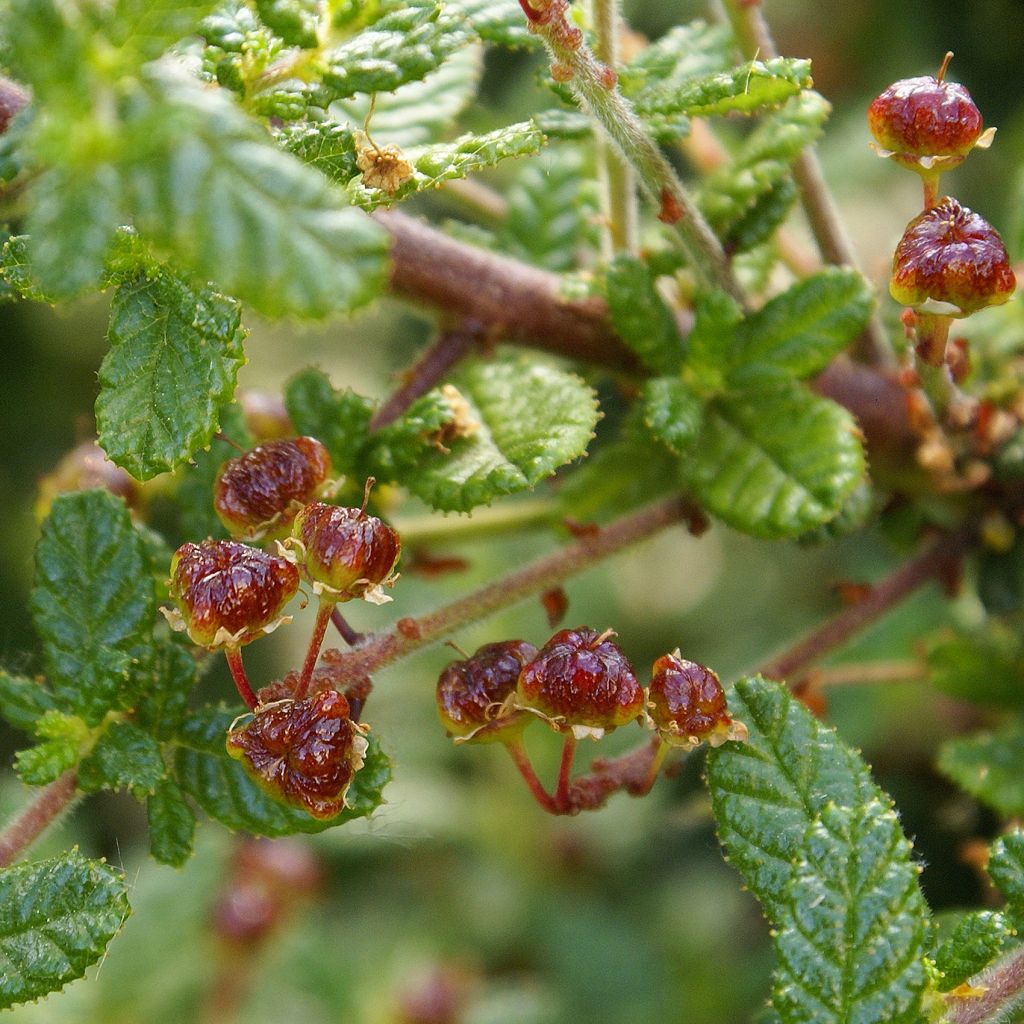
50, 802
930, 182
234, 657
594, 86
522, 761
323, 617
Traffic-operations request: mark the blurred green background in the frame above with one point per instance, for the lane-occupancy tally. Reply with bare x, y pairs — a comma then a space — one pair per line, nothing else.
460, 894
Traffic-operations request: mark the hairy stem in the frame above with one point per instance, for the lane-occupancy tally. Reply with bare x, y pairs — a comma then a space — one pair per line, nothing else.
756, 41
50, 802
1004, 987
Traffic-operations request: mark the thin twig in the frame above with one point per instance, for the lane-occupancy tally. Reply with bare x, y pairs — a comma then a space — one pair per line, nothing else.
50, 802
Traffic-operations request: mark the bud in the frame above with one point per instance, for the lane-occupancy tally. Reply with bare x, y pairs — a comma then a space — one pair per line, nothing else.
304, 752
227, 593
472, 694
258, 494
581, 682
345, 552
687, 704
950, 255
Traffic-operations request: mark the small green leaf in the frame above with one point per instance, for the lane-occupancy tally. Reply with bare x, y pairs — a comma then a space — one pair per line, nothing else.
16, 270
684, 53
523, 421
175, 354
172, 824
775, 462
641, 317
219, 784
1006, 869
92, 604
23, 701
757, 223
295, 21
799, 332
990, 766
851, 942
673, 412
973, 944
125, 757
56, 918
338, 419
742, 90
717, 317
63, 737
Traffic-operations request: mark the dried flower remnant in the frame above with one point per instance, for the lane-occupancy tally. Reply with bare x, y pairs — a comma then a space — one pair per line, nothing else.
687, 704
383, 167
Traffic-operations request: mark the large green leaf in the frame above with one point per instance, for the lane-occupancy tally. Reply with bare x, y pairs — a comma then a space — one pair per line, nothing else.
522, 421
990, 766
163, 702
56, 918
219, 784
125, 757
174, 358
775, 462
326, 145
93, 604
172, 824
641, 317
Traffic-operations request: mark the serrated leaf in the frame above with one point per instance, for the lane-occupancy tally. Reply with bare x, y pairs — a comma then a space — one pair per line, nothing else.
672, 412
174, 359
125, 757
641, 317
163, 703
1006, 868
92, 604
742, 90
325, 145
172, 824
524, 422
989, 766
45, 762
775, 462
295, 21
449, 161
214, 191
851, 940
683, 53
972, 945
23, 701
220, 786
497, 21
757, 223
56, 918
798, 333
16, 270
716, 317
563, 124
338, 419
985, 665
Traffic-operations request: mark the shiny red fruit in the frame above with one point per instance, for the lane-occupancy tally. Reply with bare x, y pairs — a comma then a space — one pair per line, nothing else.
305, 752
686, 700
470, 693
581, 681
258, 494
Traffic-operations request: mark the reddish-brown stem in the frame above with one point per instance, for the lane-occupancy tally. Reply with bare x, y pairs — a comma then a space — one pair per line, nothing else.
323, 617
522, 761
1003, 986
932, 336
50, 802
563, 796
438, 358
234, 657
341, 624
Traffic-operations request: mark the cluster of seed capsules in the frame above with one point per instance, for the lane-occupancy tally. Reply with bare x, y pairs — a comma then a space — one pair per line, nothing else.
582, 685
305, 744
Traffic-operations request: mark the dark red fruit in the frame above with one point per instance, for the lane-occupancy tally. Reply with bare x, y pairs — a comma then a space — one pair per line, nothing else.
687, 703
227, 593
258, 494
304, 752
471, 693
949, 254
345, 552
583, 682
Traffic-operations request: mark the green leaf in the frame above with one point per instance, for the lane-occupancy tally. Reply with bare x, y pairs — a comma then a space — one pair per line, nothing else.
174, 358
766, 793
23, 701
989, 766
684, 53
448, 161
338, 419
851, 942
672, 412
172, 824
717, 317
92, 604
64, 737
641, 317
973, 944
216, 193
327, 146
145, 28
497, 21
220, 786
757, 223
523, 422
742, 90
403, 46
163, 703
125, 757
798, 332
1006, 869
984, 665
775, 462
16, 270
295, 21
1001, 578
56, 918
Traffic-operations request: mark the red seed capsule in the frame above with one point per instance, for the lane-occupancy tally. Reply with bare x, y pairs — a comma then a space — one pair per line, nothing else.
471, 694
304, 753
345, 552
925, 117
227, 593
687, 704
583, 682
949, 254
258, 494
